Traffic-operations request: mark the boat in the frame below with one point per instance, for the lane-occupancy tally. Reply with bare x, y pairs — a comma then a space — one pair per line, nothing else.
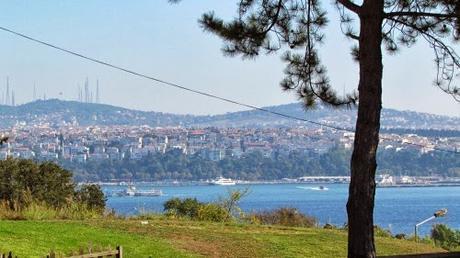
318, 188
222, 181
132, 191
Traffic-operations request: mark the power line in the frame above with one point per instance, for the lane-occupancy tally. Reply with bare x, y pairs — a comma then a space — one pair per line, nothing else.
203, 93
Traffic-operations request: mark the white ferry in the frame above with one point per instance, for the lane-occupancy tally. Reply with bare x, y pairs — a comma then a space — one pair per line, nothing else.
222, 181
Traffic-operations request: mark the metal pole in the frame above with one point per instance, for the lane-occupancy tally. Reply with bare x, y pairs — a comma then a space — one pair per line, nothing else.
421, 223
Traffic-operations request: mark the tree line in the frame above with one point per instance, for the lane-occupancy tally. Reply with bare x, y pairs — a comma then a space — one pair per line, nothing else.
174, 165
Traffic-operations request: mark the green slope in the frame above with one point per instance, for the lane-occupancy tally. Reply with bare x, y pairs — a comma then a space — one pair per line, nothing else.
181, 238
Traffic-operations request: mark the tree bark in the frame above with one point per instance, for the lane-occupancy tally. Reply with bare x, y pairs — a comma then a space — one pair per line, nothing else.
360, 206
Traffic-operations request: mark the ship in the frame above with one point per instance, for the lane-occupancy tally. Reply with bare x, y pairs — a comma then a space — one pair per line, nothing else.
222, 181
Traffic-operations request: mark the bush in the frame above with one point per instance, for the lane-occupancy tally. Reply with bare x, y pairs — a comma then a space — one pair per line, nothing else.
400, 236
34, 190
221, 211
231, 202
285, 217
183, 208
193, 209
445, 237
381, 232
20, 180
213, 212
91, 196
329, 226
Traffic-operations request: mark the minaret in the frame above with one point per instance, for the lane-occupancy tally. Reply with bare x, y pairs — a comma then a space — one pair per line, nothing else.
79, 93
98, 100
86, 90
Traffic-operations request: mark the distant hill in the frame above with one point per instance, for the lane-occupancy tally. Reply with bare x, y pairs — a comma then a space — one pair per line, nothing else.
391, 118
58, 112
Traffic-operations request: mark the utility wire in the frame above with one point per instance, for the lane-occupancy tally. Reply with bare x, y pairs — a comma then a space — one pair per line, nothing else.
203, 93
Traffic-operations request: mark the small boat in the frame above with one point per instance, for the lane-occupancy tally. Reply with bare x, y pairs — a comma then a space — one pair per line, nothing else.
319, 188
132, 191
222, 181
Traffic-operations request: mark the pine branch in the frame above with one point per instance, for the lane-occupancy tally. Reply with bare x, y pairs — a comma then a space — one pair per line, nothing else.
419, 14
350, 6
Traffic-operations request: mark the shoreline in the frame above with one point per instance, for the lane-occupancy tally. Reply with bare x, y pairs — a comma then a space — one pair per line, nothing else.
242, 183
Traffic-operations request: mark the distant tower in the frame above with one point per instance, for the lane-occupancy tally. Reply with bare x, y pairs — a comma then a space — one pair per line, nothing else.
13, 103
86, 90
79, 96
91, 97
98, 100
7, 96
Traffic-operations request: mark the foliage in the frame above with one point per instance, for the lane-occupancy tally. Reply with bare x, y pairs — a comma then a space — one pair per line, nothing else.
223, 210
230, 203
29, 189
400, 236
381, 232
445, 237
285, 217
187, 207
41, 211
256, 166
92, 196
213, 212
22, 181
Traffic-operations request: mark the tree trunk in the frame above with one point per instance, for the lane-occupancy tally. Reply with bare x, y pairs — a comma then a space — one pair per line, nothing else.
360, 206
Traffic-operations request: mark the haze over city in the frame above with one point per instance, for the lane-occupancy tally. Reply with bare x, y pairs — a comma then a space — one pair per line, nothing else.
166, 41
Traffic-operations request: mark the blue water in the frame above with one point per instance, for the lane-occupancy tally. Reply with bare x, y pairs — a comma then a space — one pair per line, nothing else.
397, 209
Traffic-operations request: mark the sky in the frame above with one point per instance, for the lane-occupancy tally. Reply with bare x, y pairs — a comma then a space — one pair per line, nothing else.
166, 42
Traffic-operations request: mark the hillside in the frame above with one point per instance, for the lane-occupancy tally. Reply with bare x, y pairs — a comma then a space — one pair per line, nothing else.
183, 238
58, 112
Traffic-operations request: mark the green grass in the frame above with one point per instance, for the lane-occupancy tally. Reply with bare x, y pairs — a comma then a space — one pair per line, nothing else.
183, 238
37, 238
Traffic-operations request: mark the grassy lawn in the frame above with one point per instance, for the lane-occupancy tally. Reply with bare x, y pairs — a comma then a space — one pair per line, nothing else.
37, 238
182, 238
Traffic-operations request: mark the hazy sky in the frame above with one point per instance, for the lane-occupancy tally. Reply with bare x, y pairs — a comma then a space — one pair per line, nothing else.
165, 41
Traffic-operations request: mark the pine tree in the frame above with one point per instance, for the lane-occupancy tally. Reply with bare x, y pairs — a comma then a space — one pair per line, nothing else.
271, 26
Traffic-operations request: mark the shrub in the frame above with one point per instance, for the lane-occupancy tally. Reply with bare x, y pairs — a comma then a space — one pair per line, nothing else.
400, 236
45, 190
213, 212
221, 211
183, 208
329, 226
46, 182
91, 196
445, 237
381, 232
231, 202
285, 217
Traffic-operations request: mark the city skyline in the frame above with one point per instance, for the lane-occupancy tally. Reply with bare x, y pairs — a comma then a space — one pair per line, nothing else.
166, 41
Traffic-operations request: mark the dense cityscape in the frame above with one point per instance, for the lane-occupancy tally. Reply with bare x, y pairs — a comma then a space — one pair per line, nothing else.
80, 144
